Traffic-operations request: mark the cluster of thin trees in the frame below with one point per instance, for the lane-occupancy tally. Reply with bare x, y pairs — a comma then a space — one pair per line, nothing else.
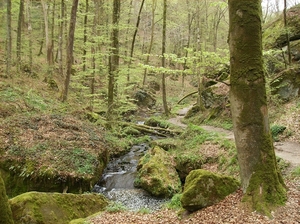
99, 36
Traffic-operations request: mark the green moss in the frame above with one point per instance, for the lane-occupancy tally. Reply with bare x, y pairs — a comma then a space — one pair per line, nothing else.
157, 175
79, 221
5, 210
266, 188
36, 207
203, 188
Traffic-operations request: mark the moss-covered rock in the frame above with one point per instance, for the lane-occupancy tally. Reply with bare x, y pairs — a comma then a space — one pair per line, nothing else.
5, 211
203, 188
167, 143
48, 208
157, 175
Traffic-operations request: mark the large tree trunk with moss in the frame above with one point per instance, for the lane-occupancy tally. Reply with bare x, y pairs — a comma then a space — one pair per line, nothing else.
261, 180
5, 211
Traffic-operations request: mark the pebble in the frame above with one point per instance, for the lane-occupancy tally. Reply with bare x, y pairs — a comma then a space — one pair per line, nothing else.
135, 199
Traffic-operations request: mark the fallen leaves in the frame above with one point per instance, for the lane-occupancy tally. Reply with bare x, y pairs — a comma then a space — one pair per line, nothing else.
230, 210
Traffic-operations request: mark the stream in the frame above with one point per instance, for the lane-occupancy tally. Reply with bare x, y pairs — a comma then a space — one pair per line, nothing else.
117, 182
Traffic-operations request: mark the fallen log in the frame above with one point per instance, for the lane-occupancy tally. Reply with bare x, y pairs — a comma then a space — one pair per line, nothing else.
162, 132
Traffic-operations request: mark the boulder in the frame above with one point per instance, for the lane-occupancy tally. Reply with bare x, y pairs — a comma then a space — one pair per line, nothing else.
286, 84
144, 98
204, 188
55, 208
157, 174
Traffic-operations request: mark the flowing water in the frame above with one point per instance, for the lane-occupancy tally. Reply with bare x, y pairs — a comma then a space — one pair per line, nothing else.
117, 182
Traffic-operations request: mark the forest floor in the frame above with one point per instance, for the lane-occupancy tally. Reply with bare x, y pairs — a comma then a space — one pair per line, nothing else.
231, 209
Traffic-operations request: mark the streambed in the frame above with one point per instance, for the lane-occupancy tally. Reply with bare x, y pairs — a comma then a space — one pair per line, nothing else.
117, 182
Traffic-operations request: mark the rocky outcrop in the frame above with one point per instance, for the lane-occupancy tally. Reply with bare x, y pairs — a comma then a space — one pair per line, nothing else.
157, 175
274, 33
286, 84
50, 153
203, 188
55, 208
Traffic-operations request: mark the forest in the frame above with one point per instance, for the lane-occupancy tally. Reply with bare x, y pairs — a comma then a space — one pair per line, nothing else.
148, 111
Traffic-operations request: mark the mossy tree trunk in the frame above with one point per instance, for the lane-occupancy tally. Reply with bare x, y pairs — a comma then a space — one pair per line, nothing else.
113, 59
19, 34
261, 180
163, 60
8, 38
5, 211
70, 50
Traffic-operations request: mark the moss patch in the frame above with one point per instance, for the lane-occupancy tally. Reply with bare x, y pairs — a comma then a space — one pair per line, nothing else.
48, 208
203, 188
5, 211
157, 175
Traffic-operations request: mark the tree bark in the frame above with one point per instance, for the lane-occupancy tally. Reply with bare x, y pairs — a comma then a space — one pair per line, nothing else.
19, 34
113, 58
29, 29
70, 49
61, 37
262, 182
8, 38
133, 39
163, 59
154, 3
85, 22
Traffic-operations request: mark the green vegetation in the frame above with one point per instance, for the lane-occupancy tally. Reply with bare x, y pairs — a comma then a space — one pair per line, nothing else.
174, 203
144, 211
115, 207
296, 172
276, 130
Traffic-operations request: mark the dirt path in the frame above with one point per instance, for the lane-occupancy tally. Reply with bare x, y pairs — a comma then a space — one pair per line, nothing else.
289, 151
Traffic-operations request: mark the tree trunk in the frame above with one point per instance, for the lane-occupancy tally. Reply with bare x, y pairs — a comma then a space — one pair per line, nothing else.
70, 49
190, 22
19, 34
163, 59
8, 38
154, 2
85, 34
287, 35
29, 29
48, 42
133, 39
61, 37
113, 58
5, 211
51, 49
261, 179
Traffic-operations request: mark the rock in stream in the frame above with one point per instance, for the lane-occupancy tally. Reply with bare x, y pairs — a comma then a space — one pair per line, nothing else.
117, 182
